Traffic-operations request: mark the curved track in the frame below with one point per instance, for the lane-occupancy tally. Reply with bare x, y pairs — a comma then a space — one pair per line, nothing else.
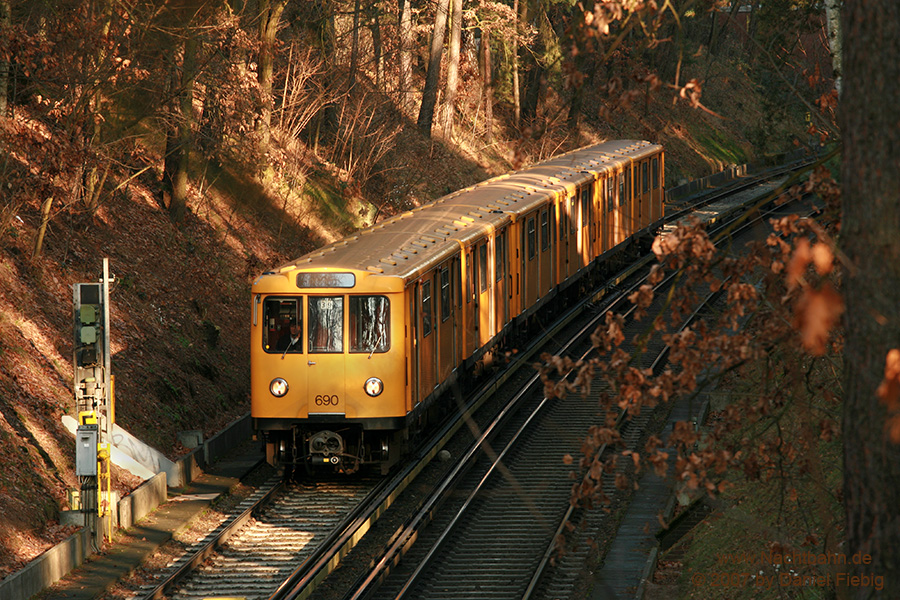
287, 549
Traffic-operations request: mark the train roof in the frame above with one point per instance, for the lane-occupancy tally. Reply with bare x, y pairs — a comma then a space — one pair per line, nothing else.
409, 244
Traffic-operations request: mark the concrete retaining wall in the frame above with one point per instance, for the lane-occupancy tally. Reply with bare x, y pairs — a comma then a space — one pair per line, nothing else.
48, 568
697, 186
142, 501
57, 562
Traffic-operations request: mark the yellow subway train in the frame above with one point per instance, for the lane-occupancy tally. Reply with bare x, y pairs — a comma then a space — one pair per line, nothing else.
355, 345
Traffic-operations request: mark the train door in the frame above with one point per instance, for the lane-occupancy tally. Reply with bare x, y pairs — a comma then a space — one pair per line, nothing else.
456, 308
531, 272
646, 186
656, 182
483, 295
596, 245
574, 256
427, 335
501, 287
610, 230
414, 344
444, 325
562, 237
584, 230
326, 363
516, 252
546, 256
470, 308
622, 205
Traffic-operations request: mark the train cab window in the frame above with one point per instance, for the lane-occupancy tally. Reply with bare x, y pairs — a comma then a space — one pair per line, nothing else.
426, 308
545, 230
284, 325
482, 265
370, 324
645, 177
655, 175
532, 239
621, 189
445, 294
470, 277
326, 324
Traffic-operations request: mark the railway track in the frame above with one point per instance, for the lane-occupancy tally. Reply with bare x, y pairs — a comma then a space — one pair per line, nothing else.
285, 541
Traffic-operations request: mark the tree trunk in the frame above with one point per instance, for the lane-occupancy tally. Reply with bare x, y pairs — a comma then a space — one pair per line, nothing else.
870, 174
354, 44
269, 17
4, 64
833, 18
517, 105
375, 28
452, 68
406, 44
487, 79
432, 77
91, 180
42, 230
534, 77
181, 154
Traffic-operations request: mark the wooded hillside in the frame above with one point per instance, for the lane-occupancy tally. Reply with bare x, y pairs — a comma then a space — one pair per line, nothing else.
195, 143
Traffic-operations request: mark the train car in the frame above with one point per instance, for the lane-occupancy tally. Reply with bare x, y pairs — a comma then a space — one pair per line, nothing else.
355, 346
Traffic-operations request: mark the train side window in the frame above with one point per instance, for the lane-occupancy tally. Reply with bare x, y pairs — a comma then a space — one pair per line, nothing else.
326, 324
284, 325
482, 266
627, 194
426, 308
545, 230
445, 294
655, 175
370, 324
645, 177
621, 189
532, 239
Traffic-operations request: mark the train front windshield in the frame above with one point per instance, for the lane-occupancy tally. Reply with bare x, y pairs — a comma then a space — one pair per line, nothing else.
368, 326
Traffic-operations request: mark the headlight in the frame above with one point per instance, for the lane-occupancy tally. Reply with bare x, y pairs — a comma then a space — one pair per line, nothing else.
373, 386
278, 387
